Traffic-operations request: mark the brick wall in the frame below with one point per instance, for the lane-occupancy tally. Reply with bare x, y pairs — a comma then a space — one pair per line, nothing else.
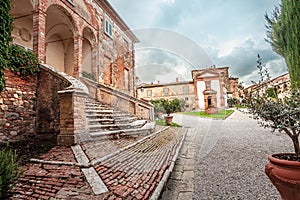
17, 107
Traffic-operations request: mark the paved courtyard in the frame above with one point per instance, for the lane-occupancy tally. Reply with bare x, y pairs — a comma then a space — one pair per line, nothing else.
216, 159
224, 159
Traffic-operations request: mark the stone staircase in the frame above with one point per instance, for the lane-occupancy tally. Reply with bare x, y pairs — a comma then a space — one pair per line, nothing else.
106, 122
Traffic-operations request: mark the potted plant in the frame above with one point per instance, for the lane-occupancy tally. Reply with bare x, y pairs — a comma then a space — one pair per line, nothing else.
158, 108
283, 115
170, 106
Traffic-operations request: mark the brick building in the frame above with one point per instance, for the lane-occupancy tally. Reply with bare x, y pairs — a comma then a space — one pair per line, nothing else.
183, 90
280, 84
86, 53
210, 87
78, 37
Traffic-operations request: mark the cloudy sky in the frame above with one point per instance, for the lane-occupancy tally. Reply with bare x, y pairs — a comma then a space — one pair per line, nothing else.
177, 36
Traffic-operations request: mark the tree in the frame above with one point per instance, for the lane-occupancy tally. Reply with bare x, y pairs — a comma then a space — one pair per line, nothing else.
281, 115
283, 33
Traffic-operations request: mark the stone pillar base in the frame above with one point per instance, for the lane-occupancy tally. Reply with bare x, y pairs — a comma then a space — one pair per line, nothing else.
211, 111
65, 140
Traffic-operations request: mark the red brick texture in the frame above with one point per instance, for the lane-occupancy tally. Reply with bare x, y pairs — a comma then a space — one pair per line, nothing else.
17, 107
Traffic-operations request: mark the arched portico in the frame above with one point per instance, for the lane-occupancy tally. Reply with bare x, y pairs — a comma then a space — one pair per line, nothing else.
88, 53
59, 40
22, 33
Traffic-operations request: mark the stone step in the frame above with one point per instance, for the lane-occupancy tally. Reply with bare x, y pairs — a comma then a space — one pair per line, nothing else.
96, 107
87, 106
100, 111
102, 121
130, 119
107, 115
108, 126
119, 133
135, 124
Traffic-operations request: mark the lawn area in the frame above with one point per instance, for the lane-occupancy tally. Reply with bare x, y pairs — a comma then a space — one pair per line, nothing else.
162, 122
222, 114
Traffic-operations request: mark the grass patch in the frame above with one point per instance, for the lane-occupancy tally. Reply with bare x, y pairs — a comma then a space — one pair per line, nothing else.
222, 114
162, 122
240, 106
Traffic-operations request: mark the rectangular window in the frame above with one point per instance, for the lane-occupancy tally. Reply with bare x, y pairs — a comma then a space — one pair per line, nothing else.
71, 2
208, 85
185, 90
126, 79
186, 98
166, 91
149, 93
108, 28
108, 72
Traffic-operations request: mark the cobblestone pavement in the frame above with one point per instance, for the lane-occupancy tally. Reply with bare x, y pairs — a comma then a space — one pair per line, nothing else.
181, 182
224, 159
137, 171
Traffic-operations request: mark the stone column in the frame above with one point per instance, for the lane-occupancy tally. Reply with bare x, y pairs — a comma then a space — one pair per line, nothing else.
73, 125
78, 40
39, 34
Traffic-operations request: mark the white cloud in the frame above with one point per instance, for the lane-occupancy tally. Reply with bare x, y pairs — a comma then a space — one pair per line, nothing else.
231, 32
169, 2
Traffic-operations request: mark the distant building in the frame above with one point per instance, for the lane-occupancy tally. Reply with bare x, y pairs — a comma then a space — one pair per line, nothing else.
181, 90
210, 87
280, 84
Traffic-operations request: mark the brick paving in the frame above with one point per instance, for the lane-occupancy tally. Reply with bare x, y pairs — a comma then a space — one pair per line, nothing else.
46, 181
181, 182
133, 173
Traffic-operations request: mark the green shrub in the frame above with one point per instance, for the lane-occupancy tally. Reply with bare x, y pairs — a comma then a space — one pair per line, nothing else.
9, 172
167, 106
271, 92
232, 101
89, 75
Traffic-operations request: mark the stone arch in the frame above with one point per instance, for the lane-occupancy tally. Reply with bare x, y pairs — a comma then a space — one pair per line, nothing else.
60, 29
88, 51
22, 12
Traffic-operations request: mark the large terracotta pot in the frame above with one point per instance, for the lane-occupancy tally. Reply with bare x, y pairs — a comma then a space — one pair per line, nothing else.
168, 120
285, 175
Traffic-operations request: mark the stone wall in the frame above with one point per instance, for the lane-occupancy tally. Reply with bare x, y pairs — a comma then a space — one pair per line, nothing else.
119, 100
17, 107
48, 102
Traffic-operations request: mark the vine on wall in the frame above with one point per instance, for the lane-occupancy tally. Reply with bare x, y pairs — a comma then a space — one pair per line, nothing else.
19, 60
5, 38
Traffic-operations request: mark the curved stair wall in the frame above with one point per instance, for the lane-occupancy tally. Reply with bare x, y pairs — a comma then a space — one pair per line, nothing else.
119, 100
61, 106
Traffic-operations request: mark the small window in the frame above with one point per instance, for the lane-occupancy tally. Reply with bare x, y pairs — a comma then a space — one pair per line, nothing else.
108, 28
186, 90
166, 91
126, 79
208, 85
71, 2
186, 98
149, 93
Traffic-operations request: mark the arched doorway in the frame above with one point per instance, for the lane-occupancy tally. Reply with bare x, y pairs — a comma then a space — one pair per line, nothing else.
59, 39
22, 33
88, 68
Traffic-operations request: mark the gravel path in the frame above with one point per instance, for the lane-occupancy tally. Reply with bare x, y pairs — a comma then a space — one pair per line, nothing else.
231, 155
